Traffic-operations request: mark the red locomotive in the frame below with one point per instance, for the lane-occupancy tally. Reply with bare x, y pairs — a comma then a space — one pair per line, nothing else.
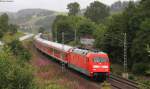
93, 64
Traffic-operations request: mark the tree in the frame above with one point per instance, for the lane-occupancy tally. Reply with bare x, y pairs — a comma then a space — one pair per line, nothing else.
139, 47
66, 24
99, 36
140, 68
73, 8
86, 28
13, 28
97, 12
19, 51
134, 20
109, 37
71, 24
1, 33
63, 24
3, 24
12, 74
41, 30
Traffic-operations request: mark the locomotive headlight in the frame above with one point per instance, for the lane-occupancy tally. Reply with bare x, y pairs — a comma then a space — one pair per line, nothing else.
97, 66
104, 66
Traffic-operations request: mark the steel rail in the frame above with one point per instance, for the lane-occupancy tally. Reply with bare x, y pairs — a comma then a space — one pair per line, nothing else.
122, 83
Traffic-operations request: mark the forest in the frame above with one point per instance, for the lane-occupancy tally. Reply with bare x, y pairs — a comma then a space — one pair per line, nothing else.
108, 30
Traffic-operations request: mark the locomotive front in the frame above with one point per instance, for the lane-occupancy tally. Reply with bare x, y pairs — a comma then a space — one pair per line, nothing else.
99, 65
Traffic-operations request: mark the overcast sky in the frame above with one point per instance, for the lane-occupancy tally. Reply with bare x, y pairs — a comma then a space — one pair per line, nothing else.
56, 5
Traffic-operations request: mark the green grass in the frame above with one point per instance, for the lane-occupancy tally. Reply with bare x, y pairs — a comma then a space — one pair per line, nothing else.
9, 37
53, 85
106, 85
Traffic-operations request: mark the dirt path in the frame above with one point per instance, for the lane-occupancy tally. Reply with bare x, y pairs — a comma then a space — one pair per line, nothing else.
49, 69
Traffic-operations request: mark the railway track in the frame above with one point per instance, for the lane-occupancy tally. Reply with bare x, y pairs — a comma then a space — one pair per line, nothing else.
118, 82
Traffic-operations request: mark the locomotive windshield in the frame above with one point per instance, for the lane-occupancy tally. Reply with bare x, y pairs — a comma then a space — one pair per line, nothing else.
98, 59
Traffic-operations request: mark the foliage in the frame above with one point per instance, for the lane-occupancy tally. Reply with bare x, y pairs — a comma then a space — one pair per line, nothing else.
139, 46
13, 28
112, 39
41, 30
5, 26
70, 24
19, 51
7, 38
12, 74
145, 84
86, 28
97, 12
99, 35
53, 86
131, 77
64, 24
109, 31
4, 22
134, 21
140, 68
73, 8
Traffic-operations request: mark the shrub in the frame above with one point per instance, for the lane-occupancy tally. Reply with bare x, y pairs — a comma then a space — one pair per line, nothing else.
131, 77
13, 75
19, 51
140, 68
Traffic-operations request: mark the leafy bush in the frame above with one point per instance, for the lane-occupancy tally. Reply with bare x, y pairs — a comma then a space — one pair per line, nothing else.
19, 51
140, 68
131, 77
145, 84
13, 75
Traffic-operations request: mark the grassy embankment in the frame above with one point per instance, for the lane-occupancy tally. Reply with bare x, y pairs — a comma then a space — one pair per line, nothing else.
43, 72
9, 37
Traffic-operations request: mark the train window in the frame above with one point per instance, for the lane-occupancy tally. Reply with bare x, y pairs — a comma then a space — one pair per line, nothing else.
50, 49
56, 51
98, 59
63, 55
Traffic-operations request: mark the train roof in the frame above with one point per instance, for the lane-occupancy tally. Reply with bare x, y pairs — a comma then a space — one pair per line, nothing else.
59, 46
66, 48
80, 51
85, 51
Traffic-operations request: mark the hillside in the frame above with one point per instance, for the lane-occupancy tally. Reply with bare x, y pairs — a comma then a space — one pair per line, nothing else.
29, 19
